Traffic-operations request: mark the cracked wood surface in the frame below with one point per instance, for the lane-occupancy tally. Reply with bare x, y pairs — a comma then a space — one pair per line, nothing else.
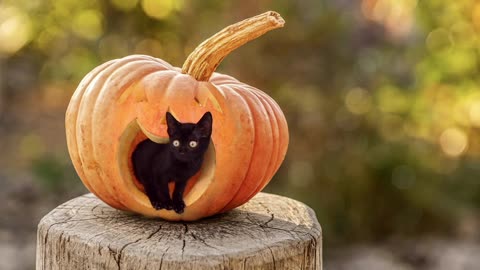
268, 232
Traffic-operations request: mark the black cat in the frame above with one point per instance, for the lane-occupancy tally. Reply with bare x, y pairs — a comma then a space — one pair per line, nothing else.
156, 164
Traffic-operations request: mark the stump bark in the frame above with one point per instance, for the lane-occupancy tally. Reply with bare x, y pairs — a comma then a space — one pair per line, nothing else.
269, 232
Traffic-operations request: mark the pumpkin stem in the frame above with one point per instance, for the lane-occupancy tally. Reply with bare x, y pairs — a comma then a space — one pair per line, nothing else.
204, 60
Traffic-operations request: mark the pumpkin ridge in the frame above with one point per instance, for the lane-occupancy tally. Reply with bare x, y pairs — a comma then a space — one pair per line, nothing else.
122, 96
276, 130
262, 145
169, 78
84, 112
219, 202
276, 147
267, 101
144, 57
255, 149
273, 165
87, 121
170, 89
283, 128
220, 78
72, 113
159, 61
284, 138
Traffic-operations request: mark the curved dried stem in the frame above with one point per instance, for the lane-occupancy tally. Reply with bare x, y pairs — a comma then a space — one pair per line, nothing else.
204, 60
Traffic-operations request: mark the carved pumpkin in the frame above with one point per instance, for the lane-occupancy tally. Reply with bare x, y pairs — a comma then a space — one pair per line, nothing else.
123, 101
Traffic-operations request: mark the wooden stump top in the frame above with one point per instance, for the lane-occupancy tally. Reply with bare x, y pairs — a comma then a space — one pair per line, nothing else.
269, 232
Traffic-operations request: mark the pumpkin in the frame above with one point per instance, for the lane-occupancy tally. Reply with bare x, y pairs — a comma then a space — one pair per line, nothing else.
124, 101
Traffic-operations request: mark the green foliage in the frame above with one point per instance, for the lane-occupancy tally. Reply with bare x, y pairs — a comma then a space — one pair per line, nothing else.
382, 96
54, 175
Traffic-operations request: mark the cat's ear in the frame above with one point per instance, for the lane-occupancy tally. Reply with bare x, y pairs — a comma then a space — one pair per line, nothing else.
204, 125
172, 123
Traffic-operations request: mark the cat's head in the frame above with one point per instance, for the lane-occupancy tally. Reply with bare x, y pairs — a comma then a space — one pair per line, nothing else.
189, 141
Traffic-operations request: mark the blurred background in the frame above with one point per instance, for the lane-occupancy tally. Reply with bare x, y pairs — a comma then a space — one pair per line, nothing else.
382, 98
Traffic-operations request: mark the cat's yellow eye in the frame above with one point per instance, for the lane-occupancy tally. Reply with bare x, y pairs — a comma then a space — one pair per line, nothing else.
176, 143
193, 144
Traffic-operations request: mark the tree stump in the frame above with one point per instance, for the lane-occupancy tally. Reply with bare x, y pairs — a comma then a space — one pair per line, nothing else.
269, 232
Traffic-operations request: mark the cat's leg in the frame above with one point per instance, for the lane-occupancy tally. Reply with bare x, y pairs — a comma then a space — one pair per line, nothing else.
152, 193
163, 193
178, 203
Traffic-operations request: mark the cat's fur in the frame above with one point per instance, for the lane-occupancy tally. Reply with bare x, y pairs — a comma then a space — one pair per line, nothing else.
156, 164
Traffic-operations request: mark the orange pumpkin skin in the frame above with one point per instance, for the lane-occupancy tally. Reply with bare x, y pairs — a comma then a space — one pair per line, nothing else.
126, 97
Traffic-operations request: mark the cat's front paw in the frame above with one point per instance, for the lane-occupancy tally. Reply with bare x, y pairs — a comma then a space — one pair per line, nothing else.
178, 206
159, 205
156, 205
168, 205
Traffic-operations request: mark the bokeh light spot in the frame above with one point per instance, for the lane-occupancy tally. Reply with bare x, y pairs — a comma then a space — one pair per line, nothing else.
392, 100
453, 141
463, 34
461, 61
476, 16
474, 113
439, 39
88, 24
358, 101
51, 36
15, 29
158, 9
396, 16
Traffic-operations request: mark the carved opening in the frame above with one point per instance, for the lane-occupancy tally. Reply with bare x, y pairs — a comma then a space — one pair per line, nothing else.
132, 136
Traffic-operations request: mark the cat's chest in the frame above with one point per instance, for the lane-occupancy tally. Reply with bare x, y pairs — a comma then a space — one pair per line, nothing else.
180, 169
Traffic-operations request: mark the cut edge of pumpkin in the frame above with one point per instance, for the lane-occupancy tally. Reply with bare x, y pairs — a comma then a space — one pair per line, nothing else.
133, 134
